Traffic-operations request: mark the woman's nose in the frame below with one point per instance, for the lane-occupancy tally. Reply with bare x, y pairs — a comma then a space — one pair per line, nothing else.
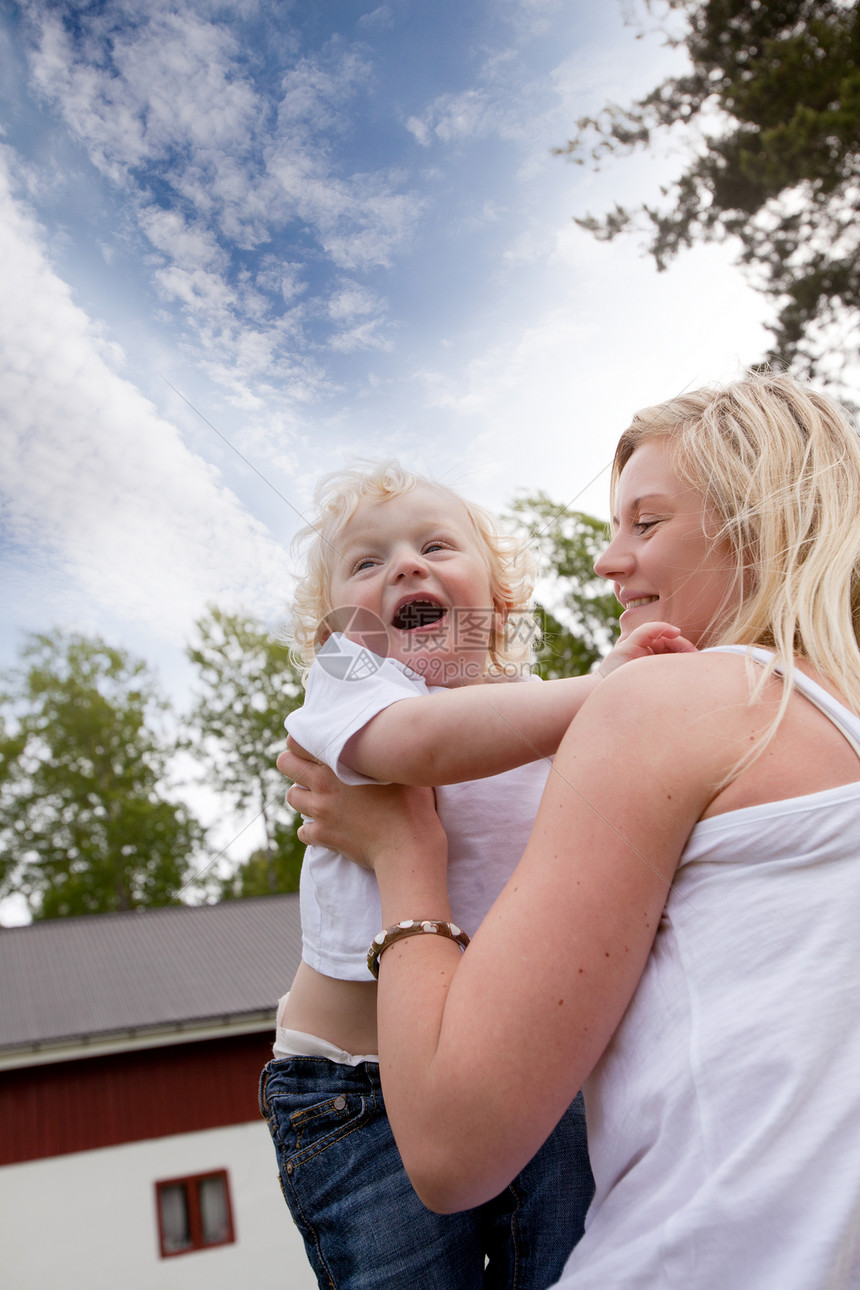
615, 561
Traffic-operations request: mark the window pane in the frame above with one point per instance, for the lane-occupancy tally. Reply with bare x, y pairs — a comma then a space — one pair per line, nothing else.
175, 1227
214, 1215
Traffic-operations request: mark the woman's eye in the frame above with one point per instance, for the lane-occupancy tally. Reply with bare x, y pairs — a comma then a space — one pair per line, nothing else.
642, 526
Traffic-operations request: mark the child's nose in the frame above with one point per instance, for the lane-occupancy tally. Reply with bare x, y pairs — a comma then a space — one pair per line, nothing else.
410, 563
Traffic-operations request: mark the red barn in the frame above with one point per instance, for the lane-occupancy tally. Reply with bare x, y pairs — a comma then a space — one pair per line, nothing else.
132, 1151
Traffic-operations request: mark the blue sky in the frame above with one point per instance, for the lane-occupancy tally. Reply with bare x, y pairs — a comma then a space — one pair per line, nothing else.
313, 230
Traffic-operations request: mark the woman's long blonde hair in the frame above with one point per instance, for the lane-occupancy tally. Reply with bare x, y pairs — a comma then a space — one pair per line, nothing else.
778, 465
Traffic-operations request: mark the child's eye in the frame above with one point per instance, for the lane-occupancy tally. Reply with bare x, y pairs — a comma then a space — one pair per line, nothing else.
437, 545
366, 562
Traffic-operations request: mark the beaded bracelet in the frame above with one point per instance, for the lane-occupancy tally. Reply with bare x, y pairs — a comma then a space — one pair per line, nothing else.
411, 927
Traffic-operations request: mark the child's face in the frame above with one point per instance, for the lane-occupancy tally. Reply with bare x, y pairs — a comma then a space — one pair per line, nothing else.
415, 568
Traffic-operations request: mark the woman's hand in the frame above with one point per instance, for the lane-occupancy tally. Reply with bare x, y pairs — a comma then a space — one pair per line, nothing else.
367, 823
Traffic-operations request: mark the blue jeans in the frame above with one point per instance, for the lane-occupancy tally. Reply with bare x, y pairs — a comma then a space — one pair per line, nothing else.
363, 1226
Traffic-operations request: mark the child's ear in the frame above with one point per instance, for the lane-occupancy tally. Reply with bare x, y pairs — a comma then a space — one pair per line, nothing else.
501, 612
322, 634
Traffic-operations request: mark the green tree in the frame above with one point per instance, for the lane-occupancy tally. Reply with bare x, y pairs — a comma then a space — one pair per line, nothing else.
579, 617
267, 871
85, 822
249, 685
770, 113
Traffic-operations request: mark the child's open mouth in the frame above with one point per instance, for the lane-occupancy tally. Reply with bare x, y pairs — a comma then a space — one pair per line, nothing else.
418, 613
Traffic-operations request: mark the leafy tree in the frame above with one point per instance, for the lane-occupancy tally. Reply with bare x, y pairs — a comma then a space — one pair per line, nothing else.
255, 876
85, 824
249, 686
580, 619
770, 112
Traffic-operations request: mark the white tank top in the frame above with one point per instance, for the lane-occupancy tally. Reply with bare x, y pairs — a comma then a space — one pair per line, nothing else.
724, 1117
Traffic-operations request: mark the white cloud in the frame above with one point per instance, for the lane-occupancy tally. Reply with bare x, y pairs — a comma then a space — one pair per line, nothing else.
380, 18
95, 482
165, 97
363, 336
420, 130
468, 115
171, 233
353, 300
135, 91
283, 277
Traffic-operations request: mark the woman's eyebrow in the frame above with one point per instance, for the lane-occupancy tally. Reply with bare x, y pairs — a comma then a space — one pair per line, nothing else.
637, 502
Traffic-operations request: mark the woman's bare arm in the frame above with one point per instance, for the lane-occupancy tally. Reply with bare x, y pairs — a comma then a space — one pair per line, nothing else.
539, 993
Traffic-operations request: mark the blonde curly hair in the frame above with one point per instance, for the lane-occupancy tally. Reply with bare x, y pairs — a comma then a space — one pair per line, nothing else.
337, 497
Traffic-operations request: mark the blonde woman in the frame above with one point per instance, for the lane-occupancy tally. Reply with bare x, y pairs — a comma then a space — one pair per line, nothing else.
681, 934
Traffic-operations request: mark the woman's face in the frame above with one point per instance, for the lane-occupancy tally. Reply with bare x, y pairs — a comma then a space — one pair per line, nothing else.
664, 564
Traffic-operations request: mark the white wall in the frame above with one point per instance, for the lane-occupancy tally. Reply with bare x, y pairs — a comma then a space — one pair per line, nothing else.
87, 1221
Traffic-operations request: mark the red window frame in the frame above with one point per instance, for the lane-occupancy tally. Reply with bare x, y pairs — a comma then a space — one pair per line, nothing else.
197, 1236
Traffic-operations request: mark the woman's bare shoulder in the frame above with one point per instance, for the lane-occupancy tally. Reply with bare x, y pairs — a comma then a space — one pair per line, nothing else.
704, 678
683, 720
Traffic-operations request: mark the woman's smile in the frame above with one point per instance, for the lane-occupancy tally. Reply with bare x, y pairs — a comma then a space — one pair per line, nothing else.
664, 558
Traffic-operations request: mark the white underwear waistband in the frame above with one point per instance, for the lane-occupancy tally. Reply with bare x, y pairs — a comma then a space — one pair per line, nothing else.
294, 1043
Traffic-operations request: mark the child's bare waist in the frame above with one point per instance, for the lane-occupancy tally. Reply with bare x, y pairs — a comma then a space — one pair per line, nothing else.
341, 1012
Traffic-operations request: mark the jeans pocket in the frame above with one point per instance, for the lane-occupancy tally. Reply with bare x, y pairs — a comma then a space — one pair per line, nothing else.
316, 1127
311, 1105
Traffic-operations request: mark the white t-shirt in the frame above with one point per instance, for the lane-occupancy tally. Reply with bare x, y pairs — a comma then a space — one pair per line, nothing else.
723, 1118
488, 821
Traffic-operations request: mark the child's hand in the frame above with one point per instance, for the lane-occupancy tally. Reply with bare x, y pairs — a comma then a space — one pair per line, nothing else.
650, 638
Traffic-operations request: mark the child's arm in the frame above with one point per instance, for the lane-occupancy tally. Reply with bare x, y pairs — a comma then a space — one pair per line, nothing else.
480, 730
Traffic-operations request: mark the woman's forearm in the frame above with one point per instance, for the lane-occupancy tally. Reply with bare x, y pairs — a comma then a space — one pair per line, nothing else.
481, 1053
